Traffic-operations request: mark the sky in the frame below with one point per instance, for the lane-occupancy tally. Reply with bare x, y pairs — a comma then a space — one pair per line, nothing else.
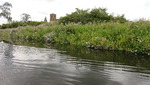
39, 9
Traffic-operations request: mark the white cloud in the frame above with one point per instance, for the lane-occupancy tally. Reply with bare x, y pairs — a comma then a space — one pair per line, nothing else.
38, 9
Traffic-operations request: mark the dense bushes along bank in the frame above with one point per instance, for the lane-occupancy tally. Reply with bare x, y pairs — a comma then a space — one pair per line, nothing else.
96, 15
15, 24
129, 36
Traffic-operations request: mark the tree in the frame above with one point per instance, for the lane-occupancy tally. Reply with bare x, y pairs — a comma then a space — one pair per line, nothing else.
5, 11
95, 15
99, 14
25, 17
45, 19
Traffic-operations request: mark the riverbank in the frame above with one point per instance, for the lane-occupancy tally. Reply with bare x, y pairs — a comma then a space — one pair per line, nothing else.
130, 36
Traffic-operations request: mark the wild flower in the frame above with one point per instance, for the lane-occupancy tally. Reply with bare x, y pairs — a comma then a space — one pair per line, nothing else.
104, 39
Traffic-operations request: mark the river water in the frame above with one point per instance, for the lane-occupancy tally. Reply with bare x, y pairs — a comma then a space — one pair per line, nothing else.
66, 65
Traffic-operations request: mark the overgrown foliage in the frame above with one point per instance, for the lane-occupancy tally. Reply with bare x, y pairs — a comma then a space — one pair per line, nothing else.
129, 36
91, 16
15, 24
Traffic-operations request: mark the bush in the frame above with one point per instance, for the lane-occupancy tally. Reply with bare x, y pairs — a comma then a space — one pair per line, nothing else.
95, 15
0, 27
16, 24
34, 23
5, 26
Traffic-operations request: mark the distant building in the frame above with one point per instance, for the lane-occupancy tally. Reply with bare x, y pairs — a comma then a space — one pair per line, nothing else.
53, 18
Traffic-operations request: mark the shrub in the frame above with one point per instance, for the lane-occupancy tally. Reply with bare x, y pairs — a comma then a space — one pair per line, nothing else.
95, 15
0, 27
15, 24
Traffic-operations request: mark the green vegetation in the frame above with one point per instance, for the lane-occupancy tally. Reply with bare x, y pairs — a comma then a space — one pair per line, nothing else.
129, 36
16, 24
96, 15
95, 29
5, 11
25, 17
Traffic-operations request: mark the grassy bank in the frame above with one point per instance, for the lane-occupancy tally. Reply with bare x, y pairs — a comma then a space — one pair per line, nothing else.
130, 36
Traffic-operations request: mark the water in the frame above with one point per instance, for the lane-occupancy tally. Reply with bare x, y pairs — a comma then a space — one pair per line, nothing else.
66, 65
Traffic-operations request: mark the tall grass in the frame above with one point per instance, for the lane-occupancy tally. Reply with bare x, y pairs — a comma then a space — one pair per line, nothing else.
130, 36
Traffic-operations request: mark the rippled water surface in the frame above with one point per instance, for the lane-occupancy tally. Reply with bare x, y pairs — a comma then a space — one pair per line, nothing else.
65, 65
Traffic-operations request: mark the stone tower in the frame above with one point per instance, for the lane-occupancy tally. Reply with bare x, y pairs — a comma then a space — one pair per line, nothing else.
53, 18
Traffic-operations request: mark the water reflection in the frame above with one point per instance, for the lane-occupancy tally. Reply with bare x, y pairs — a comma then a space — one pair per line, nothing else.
137, 62
70, 66
8, 51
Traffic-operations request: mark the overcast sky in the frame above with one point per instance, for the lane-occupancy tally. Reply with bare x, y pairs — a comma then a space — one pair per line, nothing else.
39, 9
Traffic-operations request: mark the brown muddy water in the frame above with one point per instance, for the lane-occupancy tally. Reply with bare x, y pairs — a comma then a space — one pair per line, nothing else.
68, 65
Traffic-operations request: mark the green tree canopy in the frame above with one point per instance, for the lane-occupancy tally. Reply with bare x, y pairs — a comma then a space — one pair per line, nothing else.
93, 15
6, 11
25, 17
